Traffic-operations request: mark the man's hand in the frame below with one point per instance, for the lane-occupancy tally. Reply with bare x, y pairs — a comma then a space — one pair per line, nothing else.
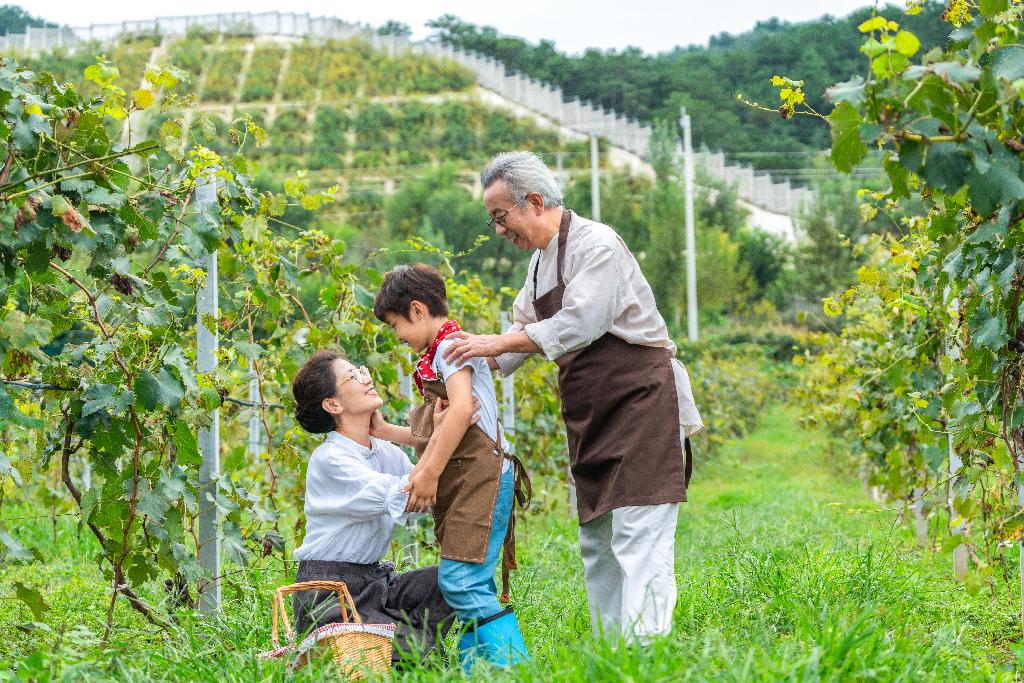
422, 490
468, 346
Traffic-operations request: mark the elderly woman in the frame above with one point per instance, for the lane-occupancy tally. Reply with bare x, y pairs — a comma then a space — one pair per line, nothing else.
355, 496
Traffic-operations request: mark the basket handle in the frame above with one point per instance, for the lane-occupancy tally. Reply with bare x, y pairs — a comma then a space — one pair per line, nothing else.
344, 597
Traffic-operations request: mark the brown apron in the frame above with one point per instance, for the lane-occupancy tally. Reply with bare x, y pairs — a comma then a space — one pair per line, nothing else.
467, 489
621, 414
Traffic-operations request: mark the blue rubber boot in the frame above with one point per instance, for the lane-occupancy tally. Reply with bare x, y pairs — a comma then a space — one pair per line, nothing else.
495, 639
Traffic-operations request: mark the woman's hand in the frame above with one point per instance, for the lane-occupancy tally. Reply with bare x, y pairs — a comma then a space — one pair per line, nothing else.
378, 424
441, 412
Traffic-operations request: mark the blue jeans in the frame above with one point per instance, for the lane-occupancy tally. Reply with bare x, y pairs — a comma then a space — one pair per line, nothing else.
467, 587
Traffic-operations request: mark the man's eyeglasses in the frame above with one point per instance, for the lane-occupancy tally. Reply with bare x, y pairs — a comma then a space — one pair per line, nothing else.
500, 220
360, 374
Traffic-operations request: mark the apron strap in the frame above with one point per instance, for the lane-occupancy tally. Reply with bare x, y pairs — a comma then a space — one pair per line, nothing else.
563, 237
523, 489
689, 464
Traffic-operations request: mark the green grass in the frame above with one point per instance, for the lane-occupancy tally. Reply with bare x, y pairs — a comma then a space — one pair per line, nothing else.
786, 571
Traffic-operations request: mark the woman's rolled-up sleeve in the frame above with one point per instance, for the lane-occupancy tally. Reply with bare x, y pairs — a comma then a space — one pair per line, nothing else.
342, 484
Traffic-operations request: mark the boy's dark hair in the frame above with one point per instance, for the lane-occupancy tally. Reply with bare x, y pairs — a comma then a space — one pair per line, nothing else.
314, 382
406, 284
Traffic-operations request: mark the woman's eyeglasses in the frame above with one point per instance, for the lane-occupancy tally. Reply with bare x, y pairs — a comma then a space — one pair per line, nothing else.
360, 374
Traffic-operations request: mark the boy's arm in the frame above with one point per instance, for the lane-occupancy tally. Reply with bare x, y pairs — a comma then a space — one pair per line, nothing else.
447, 435
382, 429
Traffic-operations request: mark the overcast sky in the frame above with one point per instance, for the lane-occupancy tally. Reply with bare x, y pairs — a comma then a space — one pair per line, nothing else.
653, 25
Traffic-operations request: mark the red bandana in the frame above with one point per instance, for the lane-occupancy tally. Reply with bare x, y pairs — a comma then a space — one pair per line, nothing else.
423, 369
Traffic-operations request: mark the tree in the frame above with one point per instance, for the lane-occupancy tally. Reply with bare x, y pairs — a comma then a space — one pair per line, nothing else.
625, 201
664, 265
102, 250
723, 281
393, 27
436, 205
830, 227
14, 19
716, 202
764, 255
650, 87
925, 380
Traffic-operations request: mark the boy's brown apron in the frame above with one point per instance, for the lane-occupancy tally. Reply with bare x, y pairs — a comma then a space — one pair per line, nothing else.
467, 489
621, 413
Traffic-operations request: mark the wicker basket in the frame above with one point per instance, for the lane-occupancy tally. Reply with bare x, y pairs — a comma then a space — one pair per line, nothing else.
354, 646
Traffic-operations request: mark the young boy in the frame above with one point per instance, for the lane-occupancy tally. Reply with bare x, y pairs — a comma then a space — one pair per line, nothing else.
465, 473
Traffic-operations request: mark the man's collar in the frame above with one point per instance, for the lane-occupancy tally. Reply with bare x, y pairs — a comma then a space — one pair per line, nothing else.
552, 246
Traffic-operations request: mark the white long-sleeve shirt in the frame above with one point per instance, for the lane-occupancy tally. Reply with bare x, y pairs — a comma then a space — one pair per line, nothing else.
354, 499
605, 291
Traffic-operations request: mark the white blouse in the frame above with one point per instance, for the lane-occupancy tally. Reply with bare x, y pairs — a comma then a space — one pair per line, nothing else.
605, 291
354, 499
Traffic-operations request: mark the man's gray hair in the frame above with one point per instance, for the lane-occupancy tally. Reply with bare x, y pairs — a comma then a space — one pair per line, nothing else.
523, 173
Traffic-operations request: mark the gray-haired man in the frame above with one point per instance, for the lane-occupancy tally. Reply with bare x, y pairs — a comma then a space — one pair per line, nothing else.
626, 400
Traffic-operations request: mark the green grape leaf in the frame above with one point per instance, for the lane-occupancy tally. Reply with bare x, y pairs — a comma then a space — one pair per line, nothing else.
947, 167
186, 443
254, 227
847, 146
898, 176
989, 331
907, 43
186, 561
154, 505
993, 179
991, 7
172, 483
107, 397
32, 598
951, 72
233, 544
175, 358
90, 499
250, 351
9, 412
101, 196
851, 91
159, 390
13, 549
210, 399
1008, 62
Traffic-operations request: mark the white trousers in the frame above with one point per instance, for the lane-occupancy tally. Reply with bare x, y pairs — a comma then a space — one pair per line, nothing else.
629, 563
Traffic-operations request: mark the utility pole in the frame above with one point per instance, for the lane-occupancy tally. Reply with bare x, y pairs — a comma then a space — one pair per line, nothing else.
691, 247
595, 185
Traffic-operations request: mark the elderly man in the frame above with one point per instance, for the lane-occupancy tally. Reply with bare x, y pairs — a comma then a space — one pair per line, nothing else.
626, 400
